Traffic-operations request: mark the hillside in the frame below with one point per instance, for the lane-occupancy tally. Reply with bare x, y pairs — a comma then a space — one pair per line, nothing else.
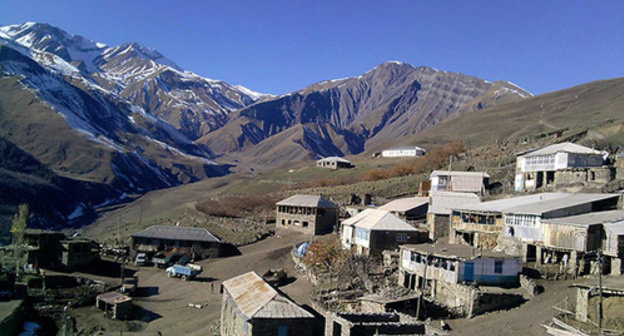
347, 116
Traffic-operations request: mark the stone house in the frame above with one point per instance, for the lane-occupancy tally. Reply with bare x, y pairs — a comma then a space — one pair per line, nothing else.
251, 307
570, 243
198, 243
310, 214
78, 252
412, 151
334, 162
459, 181
440, 208
444, 273
370, 324
409, 208
561, 165
523, 223
613, 247
374, 230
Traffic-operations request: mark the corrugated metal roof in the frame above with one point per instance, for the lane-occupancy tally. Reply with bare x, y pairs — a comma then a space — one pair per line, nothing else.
405, 204
334, 158
591, 218
378, 220
257, 299
566, 147
442, 202
536, 204
459, 173
177, 233
313, 201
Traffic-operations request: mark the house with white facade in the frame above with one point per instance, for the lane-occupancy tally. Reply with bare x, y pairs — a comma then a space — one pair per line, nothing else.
411, 151
560, 165
373, 230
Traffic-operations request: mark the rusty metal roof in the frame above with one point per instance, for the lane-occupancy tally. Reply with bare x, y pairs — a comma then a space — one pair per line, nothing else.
257, 299
113, 298
177, 233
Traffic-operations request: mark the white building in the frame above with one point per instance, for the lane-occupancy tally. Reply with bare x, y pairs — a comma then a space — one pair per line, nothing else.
538, 168
413, 151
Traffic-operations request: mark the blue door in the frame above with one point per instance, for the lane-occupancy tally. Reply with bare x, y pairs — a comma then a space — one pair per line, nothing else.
282, 330
469, 271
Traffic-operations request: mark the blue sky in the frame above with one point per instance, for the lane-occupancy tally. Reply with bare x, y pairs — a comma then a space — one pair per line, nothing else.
281, 46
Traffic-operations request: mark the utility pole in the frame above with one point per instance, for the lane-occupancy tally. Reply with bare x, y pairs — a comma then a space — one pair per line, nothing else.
422, 288
600, 291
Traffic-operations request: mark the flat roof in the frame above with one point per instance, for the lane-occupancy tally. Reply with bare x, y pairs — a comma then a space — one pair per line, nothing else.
591, 218
441, 172
176, 233
113, 298
616, 227
405, 204
566, 147
313, 201
257, 299
456, 251
404, 148
334, 158
536, 204
443, 202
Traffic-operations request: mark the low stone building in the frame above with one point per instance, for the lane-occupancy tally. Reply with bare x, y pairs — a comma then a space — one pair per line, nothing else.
440, 208
374, 230
114, 304
441, 272
251, 307
310, 214
459, 181
409, 208
198, 243
570, 243
370, 324
334, 162
561, 165
78, 252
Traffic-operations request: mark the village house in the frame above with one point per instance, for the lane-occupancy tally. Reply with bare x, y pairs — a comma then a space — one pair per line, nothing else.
412, 151
479, 225
613, 247
310, 214
440, 271
251, 307
374, 230
440, 208
570, 243
52, 249
334, 162
197, 243
409, 208
523, 222
561, 165
459, 181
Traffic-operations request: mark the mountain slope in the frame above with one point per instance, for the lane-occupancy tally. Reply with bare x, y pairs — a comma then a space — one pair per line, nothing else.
392, 100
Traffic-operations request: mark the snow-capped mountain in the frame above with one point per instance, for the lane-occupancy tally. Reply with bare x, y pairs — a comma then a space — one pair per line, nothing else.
124, 116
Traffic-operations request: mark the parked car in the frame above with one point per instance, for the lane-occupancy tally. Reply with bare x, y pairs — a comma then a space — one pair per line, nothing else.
185, 272
141, 259
183, 260
159, 260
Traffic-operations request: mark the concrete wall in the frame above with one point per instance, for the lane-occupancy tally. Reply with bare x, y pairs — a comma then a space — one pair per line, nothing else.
233, 322
438, 226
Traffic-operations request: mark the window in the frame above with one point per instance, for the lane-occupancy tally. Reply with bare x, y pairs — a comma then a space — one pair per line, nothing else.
305, 224
498, 266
